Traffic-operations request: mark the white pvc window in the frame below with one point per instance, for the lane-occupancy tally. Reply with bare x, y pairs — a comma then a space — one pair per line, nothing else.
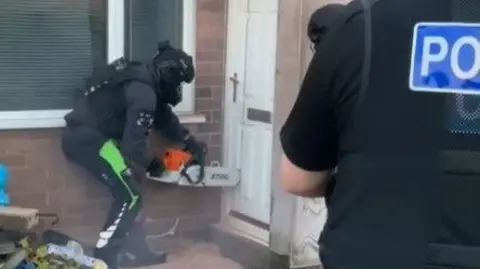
37, 112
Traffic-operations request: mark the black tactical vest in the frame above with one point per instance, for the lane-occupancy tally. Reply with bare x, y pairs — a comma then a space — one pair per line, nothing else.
407, 194
102, 101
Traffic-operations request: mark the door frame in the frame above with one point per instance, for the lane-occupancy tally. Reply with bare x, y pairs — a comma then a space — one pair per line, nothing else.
232, 223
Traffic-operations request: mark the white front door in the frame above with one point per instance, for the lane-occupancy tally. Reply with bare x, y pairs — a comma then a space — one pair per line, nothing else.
249, 103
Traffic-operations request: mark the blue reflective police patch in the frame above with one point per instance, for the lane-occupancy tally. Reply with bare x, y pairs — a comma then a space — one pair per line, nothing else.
446, 58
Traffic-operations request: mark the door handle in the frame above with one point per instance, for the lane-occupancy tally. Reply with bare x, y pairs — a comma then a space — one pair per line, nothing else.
235, 81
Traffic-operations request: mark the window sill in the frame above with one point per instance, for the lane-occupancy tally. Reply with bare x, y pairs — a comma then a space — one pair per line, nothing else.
19, 120
192, 118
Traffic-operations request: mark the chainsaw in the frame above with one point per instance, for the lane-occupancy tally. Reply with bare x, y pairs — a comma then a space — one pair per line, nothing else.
186, 169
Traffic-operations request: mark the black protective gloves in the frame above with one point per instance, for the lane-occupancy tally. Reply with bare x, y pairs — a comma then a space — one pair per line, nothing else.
155, 169
197, 148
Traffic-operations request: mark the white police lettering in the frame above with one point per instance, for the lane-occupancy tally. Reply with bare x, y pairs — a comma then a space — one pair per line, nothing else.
429, 57
455, 56
445, 58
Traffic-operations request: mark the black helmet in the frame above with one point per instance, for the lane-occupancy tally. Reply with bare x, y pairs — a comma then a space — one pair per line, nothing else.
322, 20
170, 68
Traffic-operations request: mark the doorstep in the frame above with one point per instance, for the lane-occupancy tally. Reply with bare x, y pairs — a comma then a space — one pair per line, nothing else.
197, 256
250, 254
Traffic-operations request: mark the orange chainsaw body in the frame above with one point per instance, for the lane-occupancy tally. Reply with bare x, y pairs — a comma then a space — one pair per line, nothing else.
175, 159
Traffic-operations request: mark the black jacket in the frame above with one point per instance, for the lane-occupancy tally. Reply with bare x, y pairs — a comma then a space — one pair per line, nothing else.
127, 111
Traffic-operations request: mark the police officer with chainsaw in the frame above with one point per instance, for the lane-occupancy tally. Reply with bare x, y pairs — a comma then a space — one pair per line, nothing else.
406, 193
107, 134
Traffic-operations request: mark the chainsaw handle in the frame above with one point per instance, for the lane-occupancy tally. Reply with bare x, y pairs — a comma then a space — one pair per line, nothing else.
200, 178
201, 162
197, 159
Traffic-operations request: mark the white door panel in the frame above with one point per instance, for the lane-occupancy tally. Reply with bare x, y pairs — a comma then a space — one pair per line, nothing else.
260, 60
263, 5
250, 103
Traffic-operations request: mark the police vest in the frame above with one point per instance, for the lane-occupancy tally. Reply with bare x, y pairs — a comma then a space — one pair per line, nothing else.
408, 181
116, 74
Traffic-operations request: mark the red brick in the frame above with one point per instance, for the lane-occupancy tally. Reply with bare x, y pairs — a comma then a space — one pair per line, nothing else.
67, 196
158, 226
14, 160
196, 222
205, 104
179, 196
218, 91
69, 221
15, 146
214, 153
216, 115
96, 219
209, 56
25, 181
95, 190
209, 68
210, 128
203, 92
5, 135
192, 127
88, 207
210, 32
211, 44
38, 201
209, 19
45, 133
210, 81
45, 153
212, 6
203, 137
216, 140
166, 211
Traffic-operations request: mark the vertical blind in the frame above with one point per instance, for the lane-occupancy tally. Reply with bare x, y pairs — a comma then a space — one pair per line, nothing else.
47, 49
150, 21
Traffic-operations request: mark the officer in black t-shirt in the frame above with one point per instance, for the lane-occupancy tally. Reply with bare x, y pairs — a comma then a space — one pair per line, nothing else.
312, 145
323, 21
406, 193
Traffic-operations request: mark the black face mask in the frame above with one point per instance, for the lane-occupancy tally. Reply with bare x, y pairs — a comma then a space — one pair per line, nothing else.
170, 69
173, 96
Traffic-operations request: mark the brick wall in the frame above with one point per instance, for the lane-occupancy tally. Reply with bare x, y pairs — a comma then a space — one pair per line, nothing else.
42, 178
211, 44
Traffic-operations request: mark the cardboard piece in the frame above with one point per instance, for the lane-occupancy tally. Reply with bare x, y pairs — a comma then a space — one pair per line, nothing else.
18, 218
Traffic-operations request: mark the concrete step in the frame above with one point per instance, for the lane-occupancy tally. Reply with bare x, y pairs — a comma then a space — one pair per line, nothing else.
249, 253
198, 256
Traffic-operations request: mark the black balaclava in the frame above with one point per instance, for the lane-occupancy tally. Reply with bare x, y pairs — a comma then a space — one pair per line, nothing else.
323, 20
170, 68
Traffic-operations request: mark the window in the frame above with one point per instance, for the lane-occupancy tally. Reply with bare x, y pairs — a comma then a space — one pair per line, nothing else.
150, 21
49, 47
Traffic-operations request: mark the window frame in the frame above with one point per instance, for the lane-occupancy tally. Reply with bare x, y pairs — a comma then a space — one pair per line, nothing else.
37, 119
